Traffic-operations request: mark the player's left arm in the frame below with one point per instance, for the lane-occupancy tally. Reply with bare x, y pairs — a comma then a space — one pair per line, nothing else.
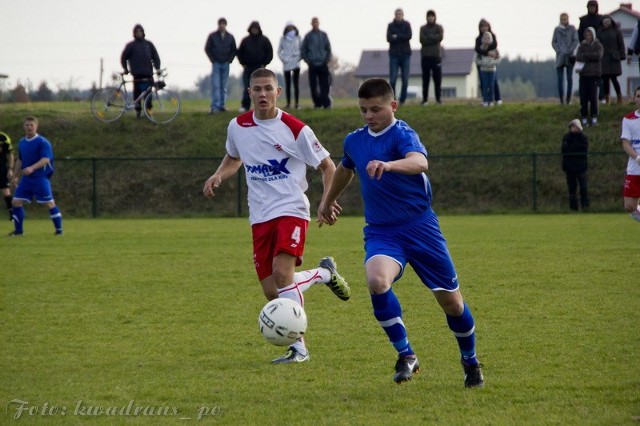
412, 164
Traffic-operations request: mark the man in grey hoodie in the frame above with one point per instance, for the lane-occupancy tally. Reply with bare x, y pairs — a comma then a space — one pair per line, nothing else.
565, 42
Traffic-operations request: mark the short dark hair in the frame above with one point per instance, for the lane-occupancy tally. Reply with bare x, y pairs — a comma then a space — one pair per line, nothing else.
375, 87
222, 21
431, 13
263, 72
635, 90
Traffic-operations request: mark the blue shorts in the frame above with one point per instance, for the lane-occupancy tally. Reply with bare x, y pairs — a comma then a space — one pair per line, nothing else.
419, 243
30, 187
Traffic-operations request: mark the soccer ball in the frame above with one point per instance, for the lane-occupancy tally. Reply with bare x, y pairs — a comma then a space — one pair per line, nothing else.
282, 322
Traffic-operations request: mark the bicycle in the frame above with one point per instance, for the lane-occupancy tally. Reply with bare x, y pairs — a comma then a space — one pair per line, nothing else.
110, 103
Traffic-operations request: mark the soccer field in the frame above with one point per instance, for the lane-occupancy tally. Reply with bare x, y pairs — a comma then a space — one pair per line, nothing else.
154, 321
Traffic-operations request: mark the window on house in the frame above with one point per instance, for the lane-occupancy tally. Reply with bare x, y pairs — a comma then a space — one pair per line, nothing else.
449, 92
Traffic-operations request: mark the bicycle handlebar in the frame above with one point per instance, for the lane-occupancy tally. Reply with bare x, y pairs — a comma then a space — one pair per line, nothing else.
162, 72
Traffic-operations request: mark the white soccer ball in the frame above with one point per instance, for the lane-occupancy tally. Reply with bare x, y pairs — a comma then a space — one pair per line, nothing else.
282, 322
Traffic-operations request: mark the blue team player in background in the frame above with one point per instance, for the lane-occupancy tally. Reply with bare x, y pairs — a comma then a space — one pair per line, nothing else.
34, 167
400, 226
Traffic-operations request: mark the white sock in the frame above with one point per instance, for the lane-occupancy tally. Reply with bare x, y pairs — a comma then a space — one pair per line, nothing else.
305, 279
636, 214
293, 292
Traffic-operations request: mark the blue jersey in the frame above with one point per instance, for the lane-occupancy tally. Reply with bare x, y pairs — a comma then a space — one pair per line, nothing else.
395, 198
30, 151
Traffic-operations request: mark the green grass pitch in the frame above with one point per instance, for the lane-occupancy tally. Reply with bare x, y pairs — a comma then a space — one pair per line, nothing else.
154, 321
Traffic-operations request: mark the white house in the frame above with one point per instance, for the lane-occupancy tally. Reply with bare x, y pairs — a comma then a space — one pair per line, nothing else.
459, 72
627, 19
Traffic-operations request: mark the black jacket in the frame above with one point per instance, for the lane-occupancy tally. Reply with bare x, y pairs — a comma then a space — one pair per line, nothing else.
221, 50
574, 152
400, 44
141, 56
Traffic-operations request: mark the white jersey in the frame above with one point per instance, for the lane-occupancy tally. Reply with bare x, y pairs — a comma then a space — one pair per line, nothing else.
275, 154
631, 131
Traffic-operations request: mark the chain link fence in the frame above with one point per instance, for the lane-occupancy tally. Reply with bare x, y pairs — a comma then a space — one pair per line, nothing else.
172, 187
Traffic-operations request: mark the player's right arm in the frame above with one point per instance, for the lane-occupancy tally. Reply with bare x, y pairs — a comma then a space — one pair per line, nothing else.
226, 169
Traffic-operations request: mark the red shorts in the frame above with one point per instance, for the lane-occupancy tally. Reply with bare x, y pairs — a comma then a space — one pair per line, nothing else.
631, 186
281, 235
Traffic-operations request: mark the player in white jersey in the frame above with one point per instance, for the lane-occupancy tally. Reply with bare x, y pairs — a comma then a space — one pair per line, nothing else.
275, 149
631, 144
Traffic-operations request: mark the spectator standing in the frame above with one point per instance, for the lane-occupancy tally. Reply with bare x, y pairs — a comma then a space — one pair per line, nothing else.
255, 51
140, 57
564, 42
575, 146
483, 27
399, 36
6, 169
589, 54
631, 144
34, 169
221, 50
431, 35
289, 54
634, 43
592, 19
614, 51
487, 64
316, 52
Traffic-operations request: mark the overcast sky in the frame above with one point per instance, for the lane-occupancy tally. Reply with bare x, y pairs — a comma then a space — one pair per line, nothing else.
63, 41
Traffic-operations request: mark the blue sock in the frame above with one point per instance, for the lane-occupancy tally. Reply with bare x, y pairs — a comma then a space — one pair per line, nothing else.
463, 328
56, 218
388, 312
17, 213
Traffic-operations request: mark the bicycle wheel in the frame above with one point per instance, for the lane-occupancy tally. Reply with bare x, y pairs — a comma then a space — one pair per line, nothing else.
162, 106
108, 104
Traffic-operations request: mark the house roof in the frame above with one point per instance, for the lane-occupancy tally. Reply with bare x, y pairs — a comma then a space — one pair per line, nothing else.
375, 63
626, 8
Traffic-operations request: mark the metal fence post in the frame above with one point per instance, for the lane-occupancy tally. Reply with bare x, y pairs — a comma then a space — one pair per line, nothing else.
534, 181
94, 188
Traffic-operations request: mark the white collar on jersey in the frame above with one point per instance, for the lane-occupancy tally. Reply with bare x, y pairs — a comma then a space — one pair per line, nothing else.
383, 131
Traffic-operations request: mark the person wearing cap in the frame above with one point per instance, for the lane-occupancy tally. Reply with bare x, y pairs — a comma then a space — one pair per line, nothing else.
431, 35
221, 50
575, 146
255, 51
140, 57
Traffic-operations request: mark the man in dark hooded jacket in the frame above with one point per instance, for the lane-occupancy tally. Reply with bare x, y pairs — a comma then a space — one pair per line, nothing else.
140, 57
591, 19
255, 52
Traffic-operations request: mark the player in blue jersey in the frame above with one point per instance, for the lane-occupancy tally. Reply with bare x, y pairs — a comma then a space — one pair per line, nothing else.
400, 226
34, 168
